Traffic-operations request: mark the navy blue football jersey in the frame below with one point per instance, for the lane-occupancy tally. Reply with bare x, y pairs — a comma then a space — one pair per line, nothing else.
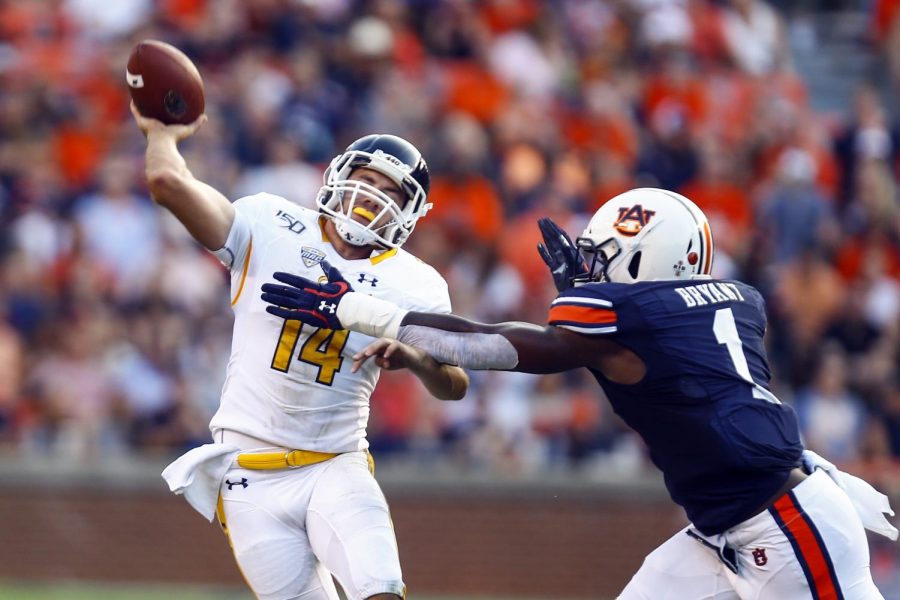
724, 442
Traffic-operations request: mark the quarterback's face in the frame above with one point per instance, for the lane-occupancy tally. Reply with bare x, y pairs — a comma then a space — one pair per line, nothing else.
367, 208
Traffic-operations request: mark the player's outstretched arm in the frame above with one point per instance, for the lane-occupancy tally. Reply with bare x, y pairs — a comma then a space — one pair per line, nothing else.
510, 346
448, 338
203, 210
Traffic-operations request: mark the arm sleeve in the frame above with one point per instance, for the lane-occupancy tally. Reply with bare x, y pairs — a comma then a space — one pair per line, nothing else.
478, 351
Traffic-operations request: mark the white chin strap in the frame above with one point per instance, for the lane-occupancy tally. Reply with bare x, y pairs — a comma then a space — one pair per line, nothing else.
354, 233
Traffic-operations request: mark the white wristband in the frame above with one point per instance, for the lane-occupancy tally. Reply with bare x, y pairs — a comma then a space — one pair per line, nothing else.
369, 315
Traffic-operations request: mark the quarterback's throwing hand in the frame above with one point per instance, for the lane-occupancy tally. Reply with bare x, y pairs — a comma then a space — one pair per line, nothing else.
305, 300
561, 255
150, 126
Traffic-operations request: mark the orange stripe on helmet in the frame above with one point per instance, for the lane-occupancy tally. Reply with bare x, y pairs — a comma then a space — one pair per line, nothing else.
708, 243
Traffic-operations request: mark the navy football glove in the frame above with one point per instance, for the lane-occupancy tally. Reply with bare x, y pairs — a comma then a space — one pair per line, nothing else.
561, 255
305, 300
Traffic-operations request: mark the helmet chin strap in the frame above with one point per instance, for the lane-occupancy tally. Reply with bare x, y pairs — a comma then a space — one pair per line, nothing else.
355, 234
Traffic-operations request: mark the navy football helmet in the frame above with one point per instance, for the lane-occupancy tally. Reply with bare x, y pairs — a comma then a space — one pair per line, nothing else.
391, 223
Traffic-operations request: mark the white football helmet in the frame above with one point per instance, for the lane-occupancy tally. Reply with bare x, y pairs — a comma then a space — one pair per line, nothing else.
646, 234
340, 196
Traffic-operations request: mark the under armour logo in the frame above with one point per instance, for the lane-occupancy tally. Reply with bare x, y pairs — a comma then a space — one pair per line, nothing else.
243, 483
323, 306
759, 557
362, 279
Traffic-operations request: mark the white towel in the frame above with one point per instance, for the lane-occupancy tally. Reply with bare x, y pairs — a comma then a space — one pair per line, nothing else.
870, 504
198, 474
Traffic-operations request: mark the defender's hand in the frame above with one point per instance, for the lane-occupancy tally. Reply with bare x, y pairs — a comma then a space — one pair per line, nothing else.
306, 300
150, 126
561, 255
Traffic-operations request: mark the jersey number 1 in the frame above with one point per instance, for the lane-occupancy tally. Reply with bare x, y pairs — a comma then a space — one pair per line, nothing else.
322, 348
726, 333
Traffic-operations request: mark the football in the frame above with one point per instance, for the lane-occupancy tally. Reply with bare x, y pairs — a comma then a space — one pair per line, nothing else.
164, 83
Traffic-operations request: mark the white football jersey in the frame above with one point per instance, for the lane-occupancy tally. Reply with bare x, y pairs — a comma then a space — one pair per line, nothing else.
289, 383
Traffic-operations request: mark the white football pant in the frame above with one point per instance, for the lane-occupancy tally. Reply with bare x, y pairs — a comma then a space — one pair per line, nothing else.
810, 545
292, 528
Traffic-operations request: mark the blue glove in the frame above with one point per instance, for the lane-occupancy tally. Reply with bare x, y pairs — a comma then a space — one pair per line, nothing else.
305, 300
561, 255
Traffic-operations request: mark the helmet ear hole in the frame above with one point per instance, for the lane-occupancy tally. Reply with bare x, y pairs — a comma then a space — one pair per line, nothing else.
635, 265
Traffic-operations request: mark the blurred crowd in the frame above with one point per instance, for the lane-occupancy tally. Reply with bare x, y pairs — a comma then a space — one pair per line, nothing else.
115, 325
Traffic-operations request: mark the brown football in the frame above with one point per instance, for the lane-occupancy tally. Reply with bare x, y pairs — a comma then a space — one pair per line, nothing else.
164, 83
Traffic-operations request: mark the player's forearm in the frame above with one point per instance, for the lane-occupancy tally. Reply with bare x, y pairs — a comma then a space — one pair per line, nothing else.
165, 168
202, 209
478, 351
458, 341
443, 381
509, 346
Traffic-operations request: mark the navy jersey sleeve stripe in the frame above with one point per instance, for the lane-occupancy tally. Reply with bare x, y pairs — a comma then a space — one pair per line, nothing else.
583, 301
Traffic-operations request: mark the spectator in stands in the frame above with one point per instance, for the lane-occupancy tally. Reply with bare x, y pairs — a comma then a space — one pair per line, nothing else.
867, 137
131, 248
718, 191
284, 171
793, 214
77, 397
832, 419
12, 367
755, 36
675, 105
886, 29
466, 203
856, 336
807, 297
889, 422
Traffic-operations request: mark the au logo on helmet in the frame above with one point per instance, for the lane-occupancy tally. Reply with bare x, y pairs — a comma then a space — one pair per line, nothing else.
632, 220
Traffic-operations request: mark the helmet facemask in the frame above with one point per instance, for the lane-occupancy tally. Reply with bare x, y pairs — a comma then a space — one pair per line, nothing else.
611, 255
391, 222
597, 257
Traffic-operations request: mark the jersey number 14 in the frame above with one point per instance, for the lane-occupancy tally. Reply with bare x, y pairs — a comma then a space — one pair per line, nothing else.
321, 348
